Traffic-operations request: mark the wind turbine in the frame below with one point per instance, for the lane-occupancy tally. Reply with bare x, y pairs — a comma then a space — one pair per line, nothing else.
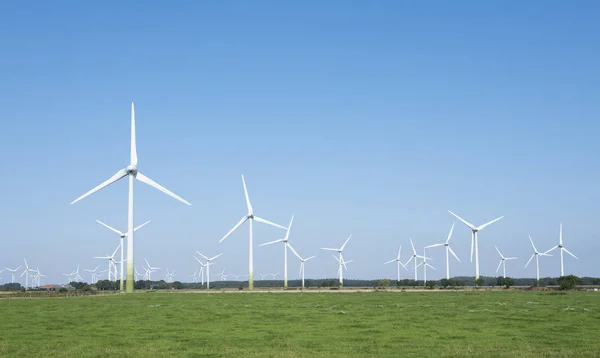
26, 272
250, 216
123, 235
286, 244
38, 277
503, 261
340, 260
151, 269
12, 273
448, 250
111, 262
132, 172
562, 248
93, 272
263, 275
474, 241
136, 274
208, 263
77, 275
414, 257
222, 275
343, 262
201, 271
274, 275
537, 260
169, 276
425, 265
302, 261
399, 263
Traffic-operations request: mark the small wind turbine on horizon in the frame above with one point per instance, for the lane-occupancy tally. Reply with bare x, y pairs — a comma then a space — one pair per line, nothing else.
132, 172
150, 269
122, 235
93, 272
201, 271
414, 258
111, 263
398, 263
251, 217
302, 261
343, 263
562, 248
474, 238
448, 250
340, 260
209, 261
286, 244
12, 273
27, 273
537, 255
503, 261
425, 265
169, 276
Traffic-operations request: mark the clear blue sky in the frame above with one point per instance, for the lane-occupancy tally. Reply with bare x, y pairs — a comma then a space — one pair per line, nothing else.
363, 118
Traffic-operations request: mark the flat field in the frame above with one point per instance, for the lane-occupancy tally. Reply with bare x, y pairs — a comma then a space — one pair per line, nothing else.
382, 324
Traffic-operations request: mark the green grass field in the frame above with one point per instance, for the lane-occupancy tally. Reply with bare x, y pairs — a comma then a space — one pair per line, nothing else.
390, 324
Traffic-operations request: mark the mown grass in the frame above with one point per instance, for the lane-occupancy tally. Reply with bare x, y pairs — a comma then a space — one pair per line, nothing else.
379, 324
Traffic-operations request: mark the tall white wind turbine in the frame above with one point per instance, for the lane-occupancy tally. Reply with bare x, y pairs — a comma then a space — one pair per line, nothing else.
122, 235
12, 273
250, 216
414, 258
448, 250
537, 255
398, 263
340, 260
302, 261
209, 261
474, 240
562, 248
132, 172
286, 244
503, 261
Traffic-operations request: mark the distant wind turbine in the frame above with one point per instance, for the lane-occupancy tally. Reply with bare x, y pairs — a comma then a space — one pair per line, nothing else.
302, 261
503, 261
398, 263
448, 250
209, 261
340, 259
132, 172
537, 255
286, 244
414, 258
562, 248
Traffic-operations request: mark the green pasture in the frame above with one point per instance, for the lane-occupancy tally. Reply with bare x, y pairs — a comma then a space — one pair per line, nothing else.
382, 324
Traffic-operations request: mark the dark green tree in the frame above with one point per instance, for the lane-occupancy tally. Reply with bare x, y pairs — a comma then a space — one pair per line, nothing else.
568, 282
479, 282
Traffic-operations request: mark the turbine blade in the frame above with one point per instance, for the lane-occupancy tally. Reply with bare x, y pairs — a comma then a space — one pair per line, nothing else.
294, 251
235, 227
568, 252
560, 236
144, 179
531, 258
141, 226
271, 242
108, 227
552, 249
413, 246
206, 258
389, 262
481, 227
500, 264
324, 248
118, 175
409, 260
434, 245
499, 253
312, 257
261, 220
246, 195
453, 254
431, 267
450, 233
287, 233
463, 220
214, 257
133, 152
345, 242
399, 251
534, 249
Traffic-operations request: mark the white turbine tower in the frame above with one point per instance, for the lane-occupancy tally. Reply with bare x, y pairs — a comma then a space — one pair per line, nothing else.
425, 265
340, 260
448, 250
250, 216
474, 240
414, 258
537, 255
286, 244
132, 172
503, 261
12, 273
302, 261
398, 263
208, 263
122, 235
562, 248
111, 262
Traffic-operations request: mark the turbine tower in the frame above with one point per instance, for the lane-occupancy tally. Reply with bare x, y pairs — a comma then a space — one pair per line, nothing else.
537, 255
250, 216
286, 244
503, 261
398, 262
448, 250
562, 248
474, 240
132, 172
340, 260
123, 235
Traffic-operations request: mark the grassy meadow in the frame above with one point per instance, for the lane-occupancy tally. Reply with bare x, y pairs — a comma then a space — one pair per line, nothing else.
383, 324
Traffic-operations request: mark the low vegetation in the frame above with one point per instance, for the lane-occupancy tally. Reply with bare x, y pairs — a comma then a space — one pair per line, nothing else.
332, 324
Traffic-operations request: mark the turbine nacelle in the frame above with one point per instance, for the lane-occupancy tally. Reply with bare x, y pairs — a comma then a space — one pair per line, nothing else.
132, 170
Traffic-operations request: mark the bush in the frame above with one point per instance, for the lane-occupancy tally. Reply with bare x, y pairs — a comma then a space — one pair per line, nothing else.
63, 290
431, 284
568, 282
479, 282
86, 288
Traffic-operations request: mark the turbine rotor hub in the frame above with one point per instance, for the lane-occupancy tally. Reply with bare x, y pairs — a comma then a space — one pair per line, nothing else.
132, 170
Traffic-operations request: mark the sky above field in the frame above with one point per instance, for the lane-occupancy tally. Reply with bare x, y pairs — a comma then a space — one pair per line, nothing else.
363, 118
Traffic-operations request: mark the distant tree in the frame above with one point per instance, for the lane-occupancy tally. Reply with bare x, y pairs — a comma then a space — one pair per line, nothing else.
176, 285
500, 281
86, 288
568, 282
381, 284
479, 282
431, 284
551, 283
63, 290
445, 282
509, 282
